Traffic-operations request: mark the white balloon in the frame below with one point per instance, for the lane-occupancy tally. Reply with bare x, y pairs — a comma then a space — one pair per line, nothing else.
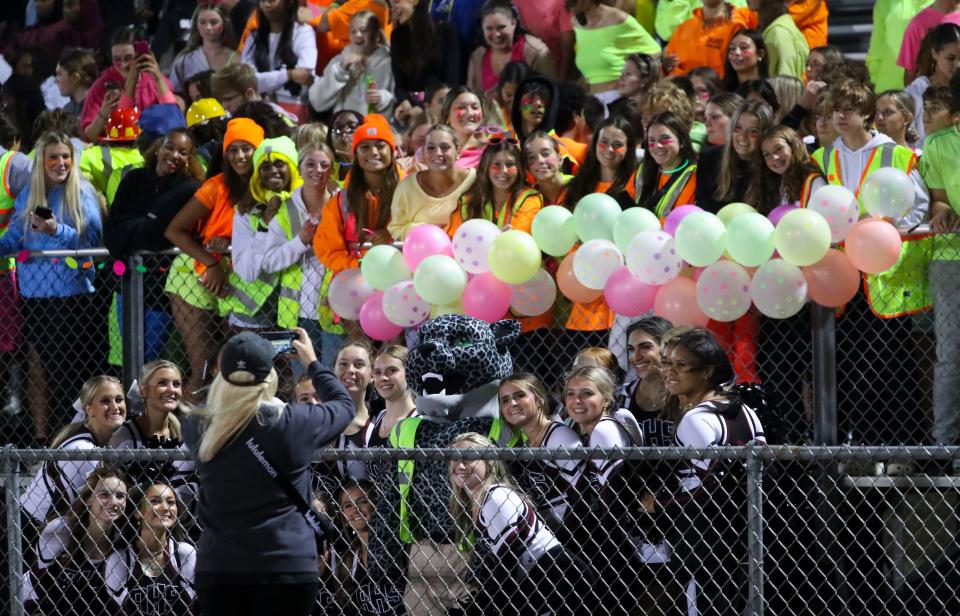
472, 242
595, 261
535, 296
838, 206
888, 193
653, 258
778, 289
403, 306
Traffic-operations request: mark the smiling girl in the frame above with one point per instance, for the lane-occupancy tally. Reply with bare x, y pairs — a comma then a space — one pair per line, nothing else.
104, 409
553, 485
747, 59
463, 112
360, 592
58, 211
72, 551
431, 196
938, 60
504, 41
155, 574
390, 381
788, 175
669, 178
519, 561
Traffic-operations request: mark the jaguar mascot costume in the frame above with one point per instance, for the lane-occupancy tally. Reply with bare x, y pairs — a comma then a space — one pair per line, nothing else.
455, 373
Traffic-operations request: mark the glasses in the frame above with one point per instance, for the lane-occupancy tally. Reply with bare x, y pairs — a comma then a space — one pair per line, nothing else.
346, 129
229, 97
507, 140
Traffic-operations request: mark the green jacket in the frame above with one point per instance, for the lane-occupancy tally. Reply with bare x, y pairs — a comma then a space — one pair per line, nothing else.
786, 46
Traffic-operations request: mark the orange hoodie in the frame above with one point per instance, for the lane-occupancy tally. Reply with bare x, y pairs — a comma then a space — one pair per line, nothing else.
696, 43
811, 17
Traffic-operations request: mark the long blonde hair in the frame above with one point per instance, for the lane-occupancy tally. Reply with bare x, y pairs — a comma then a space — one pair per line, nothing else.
229, 409
37, 196
461, 501
88, 390
146, 374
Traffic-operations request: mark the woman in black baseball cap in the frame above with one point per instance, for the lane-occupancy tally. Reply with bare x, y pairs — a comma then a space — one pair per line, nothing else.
257, 553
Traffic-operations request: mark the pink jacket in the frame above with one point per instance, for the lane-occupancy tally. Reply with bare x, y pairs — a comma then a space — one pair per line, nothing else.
146, 95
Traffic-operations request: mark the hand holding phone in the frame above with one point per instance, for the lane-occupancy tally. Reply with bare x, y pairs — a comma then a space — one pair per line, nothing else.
282, 341
141, 48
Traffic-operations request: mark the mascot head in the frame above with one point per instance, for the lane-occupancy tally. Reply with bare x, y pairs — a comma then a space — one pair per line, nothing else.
457, 360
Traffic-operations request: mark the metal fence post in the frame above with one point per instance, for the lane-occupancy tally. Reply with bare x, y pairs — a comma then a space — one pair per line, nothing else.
131, 309
755, 551
11, 478
824, 334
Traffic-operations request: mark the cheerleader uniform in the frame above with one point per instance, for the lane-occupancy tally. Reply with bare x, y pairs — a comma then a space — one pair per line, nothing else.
521, 567
553, 485
139, 594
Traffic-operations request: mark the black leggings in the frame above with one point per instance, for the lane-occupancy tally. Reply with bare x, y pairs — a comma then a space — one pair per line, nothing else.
257, 600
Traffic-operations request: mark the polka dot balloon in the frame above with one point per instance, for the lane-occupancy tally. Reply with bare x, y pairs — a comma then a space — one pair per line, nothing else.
839, 207
723, 291
403, 306
653, 258
472, 242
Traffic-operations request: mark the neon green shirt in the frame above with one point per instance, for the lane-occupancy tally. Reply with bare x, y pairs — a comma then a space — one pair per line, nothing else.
786, 46
890, 19
601, 52
941, 151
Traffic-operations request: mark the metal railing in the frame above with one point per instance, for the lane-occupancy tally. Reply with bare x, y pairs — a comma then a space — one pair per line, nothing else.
811, 523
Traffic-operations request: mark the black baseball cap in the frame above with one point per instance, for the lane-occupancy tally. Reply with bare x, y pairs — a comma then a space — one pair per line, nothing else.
246, 359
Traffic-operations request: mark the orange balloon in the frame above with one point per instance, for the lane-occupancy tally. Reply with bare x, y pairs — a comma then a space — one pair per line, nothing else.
873, 245
833, 280
676, 301
571, 288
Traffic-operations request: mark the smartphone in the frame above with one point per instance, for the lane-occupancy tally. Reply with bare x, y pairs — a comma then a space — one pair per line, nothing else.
282, 341
111, 84
141, 48
44, 212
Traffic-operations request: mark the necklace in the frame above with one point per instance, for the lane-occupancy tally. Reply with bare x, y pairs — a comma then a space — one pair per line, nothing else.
685, 164
152, 562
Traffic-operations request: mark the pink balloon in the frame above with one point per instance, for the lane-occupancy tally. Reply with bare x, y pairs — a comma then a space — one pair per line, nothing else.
676, 301
832, 281
486, 297
373, 320
873, 245
425, 241
679, 213
779, 212
535, 296
628, 296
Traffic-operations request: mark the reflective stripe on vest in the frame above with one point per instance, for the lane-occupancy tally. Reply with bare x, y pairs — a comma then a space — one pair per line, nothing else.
903, 289
291, 278
404, 436
669, 200
807, 185
7, 201
247, 298
504, 216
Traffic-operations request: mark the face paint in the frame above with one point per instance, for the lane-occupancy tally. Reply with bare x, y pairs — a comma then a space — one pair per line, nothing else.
54, 162
501, 167
615, 148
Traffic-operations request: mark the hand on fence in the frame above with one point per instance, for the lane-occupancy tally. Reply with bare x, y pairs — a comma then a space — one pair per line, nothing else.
214, 279
218, 244
945, 221
307, 230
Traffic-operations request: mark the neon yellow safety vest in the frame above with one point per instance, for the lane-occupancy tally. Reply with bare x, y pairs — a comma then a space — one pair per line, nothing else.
7, 201
504, 215
404, 435
669, 199
98, 162
247, 298
904, 288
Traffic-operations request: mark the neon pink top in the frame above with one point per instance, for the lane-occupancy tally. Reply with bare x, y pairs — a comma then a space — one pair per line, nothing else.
918, 27
488, 78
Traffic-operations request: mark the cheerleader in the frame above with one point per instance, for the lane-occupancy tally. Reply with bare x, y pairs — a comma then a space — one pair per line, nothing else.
154, 574
73, 551
518, 560
553, 485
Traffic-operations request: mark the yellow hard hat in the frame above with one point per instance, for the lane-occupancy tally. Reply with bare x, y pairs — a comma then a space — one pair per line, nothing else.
203, 110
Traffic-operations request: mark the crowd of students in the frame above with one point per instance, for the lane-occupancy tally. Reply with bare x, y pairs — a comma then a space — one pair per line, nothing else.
119, 538
282, 139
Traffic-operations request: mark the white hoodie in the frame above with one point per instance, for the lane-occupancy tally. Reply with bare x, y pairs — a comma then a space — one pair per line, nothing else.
854, 162
339, 88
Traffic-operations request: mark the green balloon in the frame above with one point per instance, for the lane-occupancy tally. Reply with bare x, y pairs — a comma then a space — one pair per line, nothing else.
632, 222
728, 212
802, 237
749, 239
595, 215
383, 266
439, 280
554, 231
514, 257
700, 238
454, 308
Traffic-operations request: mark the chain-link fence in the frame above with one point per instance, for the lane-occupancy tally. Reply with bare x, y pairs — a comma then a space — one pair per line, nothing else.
767, 530
845, 376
